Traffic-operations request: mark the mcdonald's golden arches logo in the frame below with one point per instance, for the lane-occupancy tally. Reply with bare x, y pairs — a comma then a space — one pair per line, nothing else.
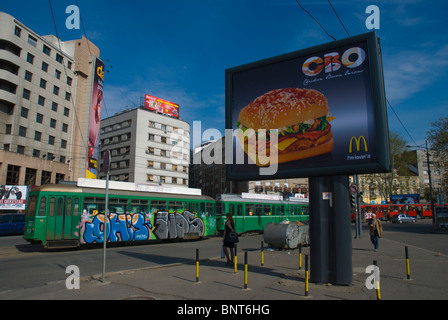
358, 144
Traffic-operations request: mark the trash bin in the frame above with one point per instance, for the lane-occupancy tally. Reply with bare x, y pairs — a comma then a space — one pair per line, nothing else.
304, 233
281, 236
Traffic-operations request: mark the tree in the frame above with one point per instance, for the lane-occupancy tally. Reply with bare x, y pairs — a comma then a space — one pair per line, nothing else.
437, 137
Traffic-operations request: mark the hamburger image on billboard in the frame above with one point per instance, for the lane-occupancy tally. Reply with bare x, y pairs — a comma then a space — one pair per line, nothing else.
300, 118
317, 111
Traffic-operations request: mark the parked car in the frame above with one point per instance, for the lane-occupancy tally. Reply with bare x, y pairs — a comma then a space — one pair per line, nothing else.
403, 218
12, 224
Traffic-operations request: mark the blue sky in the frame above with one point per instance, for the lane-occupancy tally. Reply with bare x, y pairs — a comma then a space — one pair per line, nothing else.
179, 50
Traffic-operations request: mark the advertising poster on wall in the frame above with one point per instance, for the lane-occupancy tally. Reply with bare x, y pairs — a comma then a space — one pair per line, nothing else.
162, 106
13, 197
314, 112
95, 119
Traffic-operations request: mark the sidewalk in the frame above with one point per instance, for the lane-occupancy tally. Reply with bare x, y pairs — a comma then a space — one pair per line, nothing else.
278, 279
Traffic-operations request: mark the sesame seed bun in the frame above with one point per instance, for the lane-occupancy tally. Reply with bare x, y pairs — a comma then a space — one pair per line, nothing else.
283, 107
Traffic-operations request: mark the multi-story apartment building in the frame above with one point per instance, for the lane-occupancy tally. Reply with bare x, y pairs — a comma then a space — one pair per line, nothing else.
146, 147
45, 100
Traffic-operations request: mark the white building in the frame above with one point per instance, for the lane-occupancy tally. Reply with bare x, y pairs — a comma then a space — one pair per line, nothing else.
146, 147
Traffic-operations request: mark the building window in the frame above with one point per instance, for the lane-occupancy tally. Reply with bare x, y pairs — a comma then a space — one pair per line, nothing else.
43, 84
51, 140
150, 164
67, 96
150, 177
150, 137
26, 94
69, 65
28, 76
54, 106
63, 144
57, 74
8, 129
20, 149
32, 41
45, 177
30, 176
163, 166
65, 127
59, 58
150, 150
44, 66
46, 50
66, 111
18, 31
30, 58
37, 135
69, 81
36, 153
56, 90
41, 101
24, 112
22, 131
12, 174
39, 118
53, 123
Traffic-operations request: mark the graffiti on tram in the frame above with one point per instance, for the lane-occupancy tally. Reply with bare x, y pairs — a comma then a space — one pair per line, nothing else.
138, 226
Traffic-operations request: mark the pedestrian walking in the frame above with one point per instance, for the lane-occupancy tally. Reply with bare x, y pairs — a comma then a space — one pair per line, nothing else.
227, 244
375, 231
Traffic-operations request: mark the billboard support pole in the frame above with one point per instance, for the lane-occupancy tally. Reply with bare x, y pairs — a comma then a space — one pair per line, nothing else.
106, 167
330, 231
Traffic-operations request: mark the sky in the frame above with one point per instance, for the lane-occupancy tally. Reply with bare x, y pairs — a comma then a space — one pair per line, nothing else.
179, 50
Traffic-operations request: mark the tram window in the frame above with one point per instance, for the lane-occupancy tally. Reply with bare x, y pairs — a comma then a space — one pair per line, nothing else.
32, 205
76, 207
249, 209
118, 206
305, 210
42, 207
258, 209
68, 210
52, 206
175, 206
220, 209
202, 208
138, 206
157, 205
210, 208
94, 205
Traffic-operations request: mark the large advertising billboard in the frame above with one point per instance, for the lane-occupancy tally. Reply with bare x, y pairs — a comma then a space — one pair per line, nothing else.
163, 106
95, 119
315, 112
13, 197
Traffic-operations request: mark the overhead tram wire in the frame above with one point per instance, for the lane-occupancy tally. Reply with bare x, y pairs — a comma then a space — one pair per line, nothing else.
315, 20
390, 105
334, 10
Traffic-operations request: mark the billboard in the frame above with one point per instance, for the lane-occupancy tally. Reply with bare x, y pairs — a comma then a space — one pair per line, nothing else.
95, 119
13, 197
314, 112
163, 106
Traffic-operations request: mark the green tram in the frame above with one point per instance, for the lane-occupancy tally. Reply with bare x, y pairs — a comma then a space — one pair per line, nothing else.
62, 215
253, 214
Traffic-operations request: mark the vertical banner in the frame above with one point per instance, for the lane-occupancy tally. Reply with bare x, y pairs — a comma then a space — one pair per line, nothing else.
95, 119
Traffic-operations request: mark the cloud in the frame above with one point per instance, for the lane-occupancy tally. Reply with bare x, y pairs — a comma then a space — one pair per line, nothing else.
409, 72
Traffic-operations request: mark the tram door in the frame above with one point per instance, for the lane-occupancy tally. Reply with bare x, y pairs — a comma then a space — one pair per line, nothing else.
59, 220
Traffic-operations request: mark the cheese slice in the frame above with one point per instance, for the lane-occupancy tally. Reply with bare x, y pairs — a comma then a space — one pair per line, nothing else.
285, 143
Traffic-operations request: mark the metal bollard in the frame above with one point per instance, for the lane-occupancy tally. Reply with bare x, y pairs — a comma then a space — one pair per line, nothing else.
408, 272
235, 258
300, 256
197, 265
306, 275
262, 253
245, 270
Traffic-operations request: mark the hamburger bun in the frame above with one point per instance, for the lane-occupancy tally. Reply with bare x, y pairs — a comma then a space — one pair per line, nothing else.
283, 107
301, 117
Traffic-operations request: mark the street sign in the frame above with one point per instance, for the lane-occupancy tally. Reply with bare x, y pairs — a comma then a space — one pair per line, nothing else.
106, 162
353, 188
